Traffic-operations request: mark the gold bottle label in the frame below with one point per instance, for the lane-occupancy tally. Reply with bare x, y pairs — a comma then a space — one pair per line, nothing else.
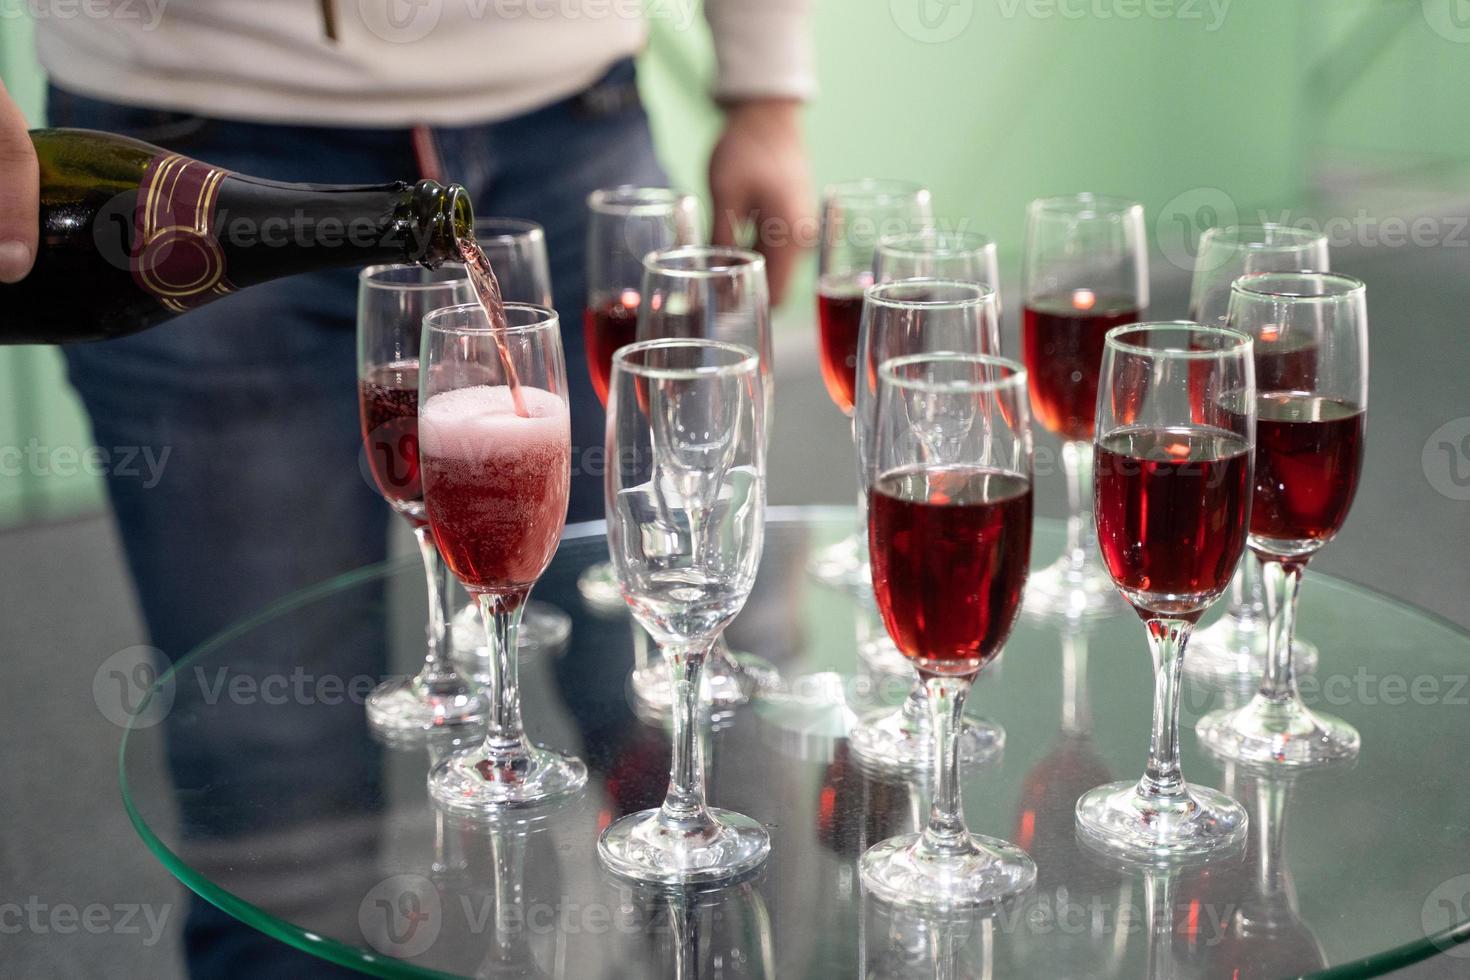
176, 255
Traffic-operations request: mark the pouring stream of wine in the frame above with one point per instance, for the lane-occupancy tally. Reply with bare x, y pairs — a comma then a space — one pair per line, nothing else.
487, 288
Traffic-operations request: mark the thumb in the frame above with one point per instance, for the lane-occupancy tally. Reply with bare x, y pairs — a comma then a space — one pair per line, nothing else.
20, 193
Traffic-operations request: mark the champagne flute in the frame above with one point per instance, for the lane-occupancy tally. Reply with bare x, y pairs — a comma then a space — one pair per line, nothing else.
495, 489
624, 224
916, 316
929, 254
391, 303
1085, 271
1309, 454
720, 294
1235, 646
517, 252
949, 523
686, 444
1175, 437
855, 216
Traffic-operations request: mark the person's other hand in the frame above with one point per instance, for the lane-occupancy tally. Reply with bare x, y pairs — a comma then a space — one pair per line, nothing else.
758, 172
20, 193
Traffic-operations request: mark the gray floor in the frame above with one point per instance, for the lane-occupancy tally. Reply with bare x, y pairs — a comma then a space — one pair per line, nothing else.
67, 607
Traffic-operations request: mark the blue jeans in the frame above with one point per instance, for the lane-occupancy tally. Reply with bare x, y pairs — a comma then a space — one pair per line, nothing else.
254, 399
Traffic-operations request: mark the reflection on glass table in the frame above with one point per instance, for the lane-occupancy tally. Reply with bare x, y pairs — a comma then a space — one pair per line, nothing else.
320, 838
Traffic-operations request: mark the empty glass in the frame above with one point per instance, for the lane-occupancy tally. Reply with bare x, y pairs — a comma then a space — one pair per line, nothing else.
686, 444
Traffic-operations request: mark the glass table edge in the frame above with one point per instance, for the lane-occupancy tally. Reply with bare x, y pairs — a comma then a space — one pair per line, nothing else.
360, 958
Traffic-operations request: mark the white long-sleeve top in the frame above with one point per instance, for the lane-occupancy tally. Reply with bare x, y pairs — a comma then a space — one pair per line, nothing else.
396, 62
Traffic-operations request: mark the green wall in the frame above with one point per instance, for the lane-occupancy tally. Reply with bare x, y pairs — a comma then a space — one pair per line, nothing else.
993, 102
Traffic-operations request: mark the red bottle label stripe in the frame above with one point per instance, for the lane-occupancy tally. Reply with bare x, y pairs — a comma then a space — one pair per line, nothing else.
176, 256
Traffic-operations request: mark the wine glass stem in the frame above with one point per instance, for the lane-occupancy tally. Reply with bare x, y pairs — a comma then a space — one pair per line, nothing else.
945, 832
684, 802
1081, 531
437, 667
1283, 580
502, 615
1166, 640
1246, 602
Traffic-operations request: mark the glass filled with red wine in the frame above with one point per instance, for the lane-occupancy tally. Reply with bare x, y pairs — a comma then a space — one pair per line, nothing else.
392, 301
714, 293
624, 224
908, 317
949, 535
1175, 430
1084, 272
686, 444
516, 249
855, 216
1234, 648
1309, 454
495, 455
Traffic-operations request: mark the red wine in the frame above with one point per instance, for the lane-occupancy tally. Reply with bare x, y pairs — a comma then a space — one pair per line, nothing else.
950, 550
839, 318
388, 405
495, 483
1062, 337
487, 288
1309, 453
609, 324
1171, 510
132, 235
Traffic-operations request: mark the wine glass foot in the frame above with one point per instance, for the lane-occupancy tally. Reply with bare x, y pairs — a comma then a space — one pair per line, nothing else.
1278, 733
1119, 820
726, 682
1065, 591
543, 628
476, 780
881, 654
722, 845
402, 708
894, 741
1232, 652
841, 566
983, 872
600, 590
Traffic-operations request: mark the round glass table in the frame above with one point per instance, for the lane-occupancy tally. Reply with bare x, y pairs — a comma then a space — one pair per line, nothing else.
253, 776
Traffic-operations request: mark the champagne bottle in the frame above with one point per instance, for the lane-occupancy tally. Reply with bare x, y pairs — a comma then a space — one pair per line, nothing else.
132, 235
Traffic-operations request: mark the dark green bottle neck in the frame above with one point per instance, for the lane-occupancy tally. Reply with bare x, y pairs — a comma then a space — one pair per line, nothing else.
268, 230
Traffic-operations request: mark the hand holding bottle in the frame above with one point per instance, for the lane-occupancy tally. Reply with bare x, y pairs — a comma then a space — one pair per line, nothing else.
20, 193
